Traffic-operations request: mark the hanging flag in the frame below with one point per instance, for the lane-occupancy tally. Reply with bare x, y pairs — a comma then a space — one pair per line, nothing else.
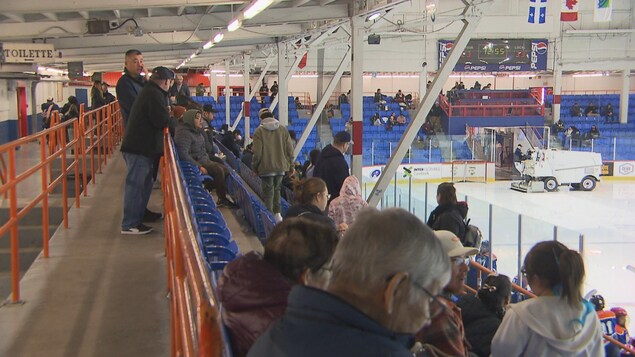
537, 11
302, 62
569, 10
431, 9
602, 10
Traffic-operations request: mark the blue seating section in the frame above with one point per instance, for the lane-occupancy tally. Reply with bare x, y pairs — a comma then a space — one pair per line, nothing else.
214, 238
295, 123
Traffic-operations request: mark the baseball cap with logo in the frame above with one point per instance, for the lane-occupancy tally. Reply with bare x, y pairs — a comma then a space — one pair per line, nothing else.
162, 73
452, 245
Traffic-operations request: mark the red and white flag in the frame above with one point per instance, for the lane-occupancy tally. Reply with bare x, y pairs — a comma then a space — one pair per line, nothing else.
569, 10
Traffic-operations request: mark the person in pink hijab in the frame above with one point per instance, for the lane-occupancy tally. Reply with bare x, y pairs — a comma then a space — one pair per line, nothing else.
344, 208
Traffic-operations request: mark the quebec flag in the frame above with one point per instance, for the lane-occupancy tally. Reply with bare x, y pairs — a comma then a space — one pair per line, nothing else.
537, 11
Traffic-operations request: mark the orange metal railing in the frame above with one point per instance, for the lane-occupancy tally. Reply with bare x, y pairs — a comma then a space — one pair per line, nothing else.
194, 312
54, 144
482, 269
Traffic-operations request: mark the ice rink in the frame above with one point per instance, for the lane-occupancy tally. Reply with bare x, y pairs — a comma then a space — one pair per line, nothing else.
604, 217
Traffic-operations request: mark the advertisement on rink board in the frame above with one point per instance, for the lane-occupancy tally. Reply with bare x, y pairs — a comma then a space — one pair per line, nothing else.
435, 171
624, 169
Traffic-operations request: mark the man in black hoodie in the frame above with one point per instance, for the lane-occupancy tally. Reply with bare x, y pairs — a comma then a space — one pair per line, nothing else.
131, 83
331, 165
142, 144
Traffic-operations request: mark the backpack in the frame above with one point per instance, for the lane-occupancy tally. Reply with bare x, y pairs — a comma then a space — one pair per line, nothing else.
472, 236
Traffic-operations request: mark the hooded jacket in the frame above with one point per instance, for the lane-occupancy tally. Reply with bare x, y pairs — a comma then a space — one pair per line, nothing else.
449, 218
254, 295
548, 326
190, 141
272, 149
479, 322
344, 208
332, 168
148, 117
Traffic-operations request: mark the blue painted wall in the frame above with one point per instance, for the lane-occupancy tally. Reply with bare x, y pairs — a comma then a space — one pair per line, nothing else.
9, 129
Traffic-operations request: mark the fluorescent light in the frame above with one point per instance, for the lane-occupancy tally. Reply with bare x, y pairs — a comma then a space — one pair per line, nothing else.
234, 25
208, 45
305, 76
471, 76
192, 56
374, 16
219, 37
522, 75
256, 8
589, 75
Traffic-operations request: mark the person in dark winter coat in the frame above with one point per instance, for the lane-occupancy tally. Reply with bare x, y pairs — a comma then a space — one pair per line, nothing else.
311, 197
254, 289
482, 314
192, 146
142, 144
131, 83
331, 165
449, 215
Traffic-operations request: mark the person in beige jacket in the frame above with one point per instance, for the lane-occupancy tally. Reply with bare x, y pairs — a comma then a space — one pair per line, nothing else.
272, 159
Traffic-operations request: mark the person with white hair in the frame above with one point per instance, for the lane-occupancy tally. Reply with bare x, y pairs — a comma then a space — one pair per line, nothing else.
386, 273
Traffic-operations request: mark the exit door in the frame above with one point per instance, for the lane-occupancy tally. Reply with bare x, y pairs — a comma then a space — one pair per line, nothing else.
23, 125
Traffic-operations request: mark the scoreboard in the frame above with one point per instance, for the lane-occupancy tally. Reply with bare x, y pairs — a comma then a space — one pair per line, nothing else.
498, 55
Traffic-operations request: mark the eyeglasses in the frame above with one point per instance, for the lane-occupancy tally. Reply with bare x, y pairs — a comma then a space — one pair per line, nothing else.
436, 305
458, 261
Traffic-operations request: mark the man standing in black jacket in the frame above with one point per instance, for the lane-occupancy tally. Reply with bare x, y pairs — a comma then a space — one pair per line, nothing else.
142, 144
332, 166
131, 83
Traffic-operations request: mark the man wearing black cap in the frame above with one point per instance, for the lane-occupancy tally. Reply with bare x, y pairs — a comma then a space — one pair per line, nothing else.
331, 165
142, 144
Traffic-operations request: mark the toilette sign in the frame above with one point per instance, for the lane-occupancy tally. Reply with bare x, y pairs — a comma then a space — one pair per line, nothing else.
28, 53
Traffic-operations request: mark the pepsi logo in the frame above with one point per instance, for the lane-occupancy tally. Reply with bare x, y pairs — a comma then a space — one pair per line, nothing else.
541, 48
449, 45
375, 173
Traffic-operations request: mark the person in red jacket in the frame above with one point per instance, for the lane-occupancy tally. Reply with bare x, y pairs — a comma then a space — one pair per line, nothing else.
253, 289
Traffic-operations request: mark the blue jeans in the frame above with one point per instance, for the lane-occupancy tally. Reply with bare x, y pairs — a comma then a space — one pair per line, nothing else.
271, 192
138, 188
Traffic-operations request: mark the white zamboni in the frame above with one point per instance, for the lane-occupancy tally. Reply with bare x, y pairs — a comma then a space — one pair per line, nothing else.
548, 169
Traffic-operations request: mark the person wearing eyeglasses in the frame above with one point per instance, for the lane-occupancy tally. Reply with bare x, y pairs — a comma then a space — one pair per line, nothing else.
446, 332
558, 322
311, 196
385, 276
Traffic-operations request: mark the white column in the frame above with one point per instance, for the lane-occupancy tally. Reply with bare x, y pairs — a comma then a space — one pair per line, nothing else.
357, 91
283, 86
246, 103
626, 85
227, 93
557, 91
213, 84
423, 81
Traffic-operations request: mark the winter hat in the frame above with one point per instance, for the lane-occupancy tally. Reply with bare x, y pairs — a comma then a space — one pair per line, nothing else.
178, 111
264, 113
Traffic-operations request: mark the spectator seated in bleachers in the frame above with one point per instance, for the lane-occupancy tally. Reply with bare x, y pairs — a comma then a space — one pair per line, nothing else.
573, 134
400, 99
381, 292
312, 196
375, 120
558, 322
380, 100
342, 99
576, 111
401, 119
298, 104
608, 113
488, 86
446, 331
253, 289
557, 128
344, 208
389, 124
591, 110
594, 133
348, 127
483, 313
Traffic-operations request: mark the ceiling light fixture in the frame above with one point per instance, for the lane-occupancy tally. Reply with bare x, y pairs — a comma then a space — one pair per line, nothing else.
256, 7
219, 37
234, 25
373, 17
208, 45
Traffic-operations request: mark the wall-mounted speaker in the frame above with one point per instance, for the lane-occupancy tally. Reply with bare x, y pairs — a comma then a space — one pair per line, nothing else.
374, 39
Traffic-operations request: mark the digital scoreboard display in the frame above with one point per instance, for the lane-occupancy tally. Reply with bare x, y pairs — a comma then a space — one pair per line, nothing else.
487, 55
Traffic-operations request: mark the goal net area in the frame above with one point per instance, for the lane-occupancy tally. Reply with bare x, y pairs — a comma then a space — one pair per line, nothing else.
469, 171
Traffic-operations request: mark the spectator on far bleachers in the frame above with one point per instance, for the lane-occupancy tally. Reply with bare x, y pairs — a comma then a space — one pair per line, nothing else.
298, 104
400, 98
488, 86
253, 288
446, 331
342, 99
200, 90
594, 133
375, 120
558, 322
608, 113
591, 110
573, 133
311, 197
348, 127
477, 86
401, 119
381, 292
576, 111
557, 127
483, 313
344, 209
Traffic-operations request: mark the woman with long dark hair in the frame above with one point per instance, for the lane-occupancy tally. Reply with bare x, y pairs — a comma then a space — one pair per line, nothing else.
483, 313
558, 322
450, 214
